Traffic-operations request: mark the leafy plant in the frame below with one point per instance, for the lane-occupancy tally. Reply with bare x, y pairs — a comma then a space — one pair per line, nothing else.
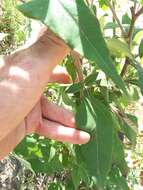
12, 25
110, 73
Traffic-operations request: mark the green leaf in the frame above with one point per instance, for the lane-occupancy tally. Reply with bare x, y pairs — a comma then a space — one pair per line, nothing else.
141, 1
85, 117
95, 154
139, 69
52, 153
25, 163
141, 49
53, 186
67, 100
79, 174
80, 30
102, 2
118, 154
133, 82
110, 25
76, 87
129, 132
76, 178
71, 68
126, 19
84, 174
118, 48
91, 79
117, 179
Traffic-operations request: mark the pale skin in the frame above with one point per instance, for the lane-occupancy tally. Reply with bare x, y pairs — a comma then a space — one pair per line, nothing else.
24, 110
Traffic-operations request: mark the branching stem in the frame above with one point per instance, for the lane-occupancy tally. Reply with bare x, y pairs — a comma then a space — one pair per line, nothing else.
116, 18
135, 16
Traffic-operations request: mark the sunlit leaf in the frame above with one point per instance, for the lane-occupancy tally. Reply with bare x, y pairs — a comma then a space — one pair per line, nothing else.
118, 48
80, 29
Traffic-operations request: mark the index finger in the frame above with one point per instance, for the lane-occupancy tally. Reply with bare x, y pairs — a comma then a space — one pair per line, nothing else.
57, 113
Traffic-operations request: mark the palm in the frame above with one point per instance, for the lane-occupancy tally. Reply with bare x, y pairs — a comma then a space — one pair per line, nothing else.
46, 119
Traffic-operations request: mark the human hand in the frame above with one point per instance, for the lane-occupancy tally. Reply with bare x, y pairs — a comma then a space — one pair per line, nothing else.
47, 119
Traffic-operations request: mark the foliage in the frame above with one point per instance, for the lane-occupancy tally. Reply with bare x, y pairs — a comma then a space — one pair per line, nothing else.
111, 51
12, 27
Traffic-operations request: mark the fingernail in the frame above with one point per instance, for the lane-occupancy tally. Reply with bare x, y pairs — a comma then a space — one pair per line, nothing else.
85, 137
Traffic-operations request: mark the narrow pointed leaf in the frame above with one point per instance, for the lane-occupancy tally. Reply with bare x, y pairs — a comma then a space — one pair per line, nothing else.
97, 154
85, 117
141, 49
77, 26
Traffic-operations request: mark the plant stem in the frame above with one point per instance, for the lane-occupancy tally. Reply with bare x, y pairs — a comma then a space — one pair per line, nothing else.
116, 18
130, 34
132, 25
77, 63
114, 29
91, 3
140, 11
127, 62
88, 3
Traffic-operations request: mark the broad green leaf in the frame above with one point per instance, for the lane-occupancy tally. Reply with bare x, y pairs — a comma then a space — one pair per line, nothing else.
118, 48
95, 154
80, 29
141, 49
